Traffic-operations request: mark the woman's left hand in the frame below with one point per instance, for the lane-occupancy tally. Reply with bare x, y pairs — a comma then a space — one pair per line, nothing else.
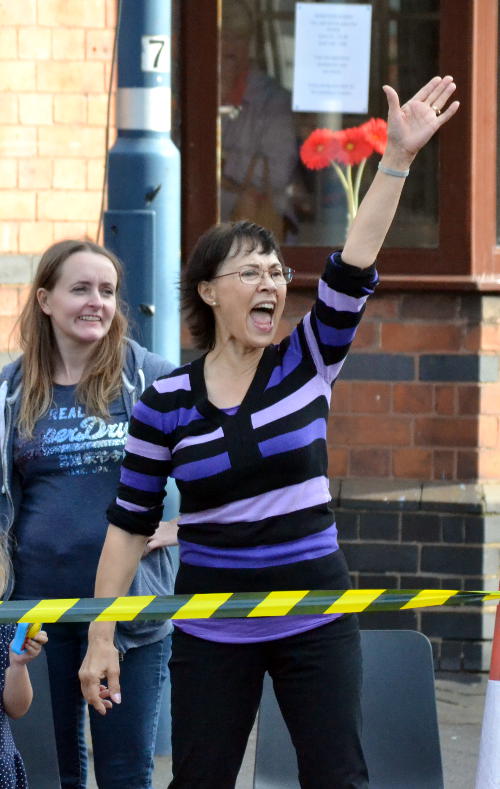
410, 126
164, 537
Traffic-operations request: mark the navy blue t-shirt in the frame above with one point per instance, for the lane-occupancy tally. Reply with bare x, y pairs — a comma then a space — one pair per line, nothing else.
69, 472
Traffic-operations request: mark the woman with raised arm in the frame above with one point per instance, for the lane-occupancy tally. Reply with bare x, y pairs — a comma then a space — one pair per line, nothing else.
242, 430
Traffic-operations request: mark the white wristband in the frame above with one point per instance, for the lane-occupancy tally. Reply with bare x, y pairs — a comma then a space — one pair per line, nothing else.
390, 171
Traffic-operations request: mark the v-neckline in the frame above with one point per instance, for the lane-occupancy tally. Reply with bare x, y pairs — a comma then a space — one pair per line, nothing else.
252, 395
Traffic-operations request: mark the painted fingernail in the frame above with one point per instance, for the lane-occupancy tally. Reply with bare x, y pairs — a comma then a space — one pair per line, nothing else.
117, 698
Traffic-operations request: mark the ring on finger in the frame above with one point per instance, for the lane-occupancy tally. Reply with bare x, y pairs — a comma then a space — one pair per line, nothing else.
436, 109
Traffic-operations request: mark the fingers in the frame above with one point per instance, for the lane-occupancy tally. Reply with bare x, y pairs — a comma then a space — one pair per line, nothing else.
427, 90
436, 94
114, 686
392, 98
93, 698
448, 112
97, 695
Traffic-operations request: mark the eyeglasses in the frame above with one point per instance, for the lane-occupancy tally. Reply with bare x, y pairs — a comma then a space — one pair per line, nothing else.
253, 275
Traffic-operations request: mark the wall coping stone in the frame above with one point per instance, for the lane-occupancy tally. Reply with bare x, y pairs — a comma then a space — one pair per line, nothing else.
416, 495
380, 494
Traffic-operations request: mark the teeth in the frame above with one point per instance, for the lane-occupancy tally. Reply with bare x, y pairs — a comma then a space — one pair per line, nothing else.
89, 318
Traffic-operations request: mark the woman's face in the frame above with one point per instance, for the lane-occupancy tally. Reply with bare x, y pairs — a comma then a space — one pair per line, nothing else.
246, 312
82, 304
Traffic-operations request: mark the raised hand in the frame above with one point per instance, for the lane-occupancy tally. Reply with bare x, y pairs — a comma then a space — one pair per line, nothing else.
411, 125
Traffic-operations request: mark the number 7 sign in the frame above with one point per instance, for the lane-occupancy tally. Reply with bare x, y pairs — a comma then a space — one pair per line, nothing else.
155, 53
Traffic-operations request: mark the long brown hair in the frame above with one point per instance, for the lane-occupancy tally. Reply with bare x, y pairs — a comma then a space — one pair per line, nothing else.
101, 380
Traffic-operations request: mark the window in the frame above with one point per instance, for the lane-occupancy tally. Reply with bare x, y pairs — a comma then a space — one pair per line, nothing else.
261, 135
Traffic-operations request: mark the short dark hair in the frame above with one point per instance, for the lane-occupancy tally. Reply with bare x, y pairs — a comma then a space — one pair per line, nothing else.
211, 249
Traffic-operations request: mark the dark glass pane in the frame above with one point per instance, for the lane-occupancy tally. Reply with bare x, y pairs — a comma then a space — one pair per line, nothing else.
261, 172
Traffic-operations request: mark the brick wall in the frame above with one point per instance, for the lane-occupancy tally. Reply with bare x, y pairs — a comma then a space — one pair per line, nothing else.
55, 65
419, 395
411, 535
55, 61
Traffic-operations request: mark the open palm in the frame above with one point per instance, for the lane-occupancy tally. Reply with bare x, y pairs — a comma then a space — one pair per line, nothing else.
410, 126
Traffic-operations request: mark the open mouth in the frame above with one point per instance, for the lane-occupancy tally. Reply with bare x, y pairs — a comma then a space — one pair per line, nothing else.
90, 318
262, 316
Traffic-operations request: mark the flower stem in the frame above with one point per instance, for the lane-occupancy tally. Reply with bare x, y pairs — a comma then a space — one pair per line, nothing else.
357, 184
346, 181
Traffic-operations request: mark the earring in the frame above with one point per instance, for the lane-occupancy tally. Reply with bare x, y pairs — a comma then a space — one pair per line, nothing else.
214, 304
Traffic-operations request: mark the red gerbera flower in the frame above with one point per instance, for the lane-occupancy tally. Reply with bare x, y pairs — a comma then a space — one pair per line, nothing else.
318, 150
353, 146
376, 133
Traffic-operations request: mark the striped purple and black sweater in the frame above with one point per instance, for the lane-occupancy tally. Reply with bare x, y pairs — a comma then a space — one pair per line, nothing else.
255, 502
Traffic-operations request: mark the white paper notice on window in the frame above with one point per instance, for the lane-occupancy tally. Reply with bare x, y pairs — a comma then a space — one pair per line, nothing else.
332, 57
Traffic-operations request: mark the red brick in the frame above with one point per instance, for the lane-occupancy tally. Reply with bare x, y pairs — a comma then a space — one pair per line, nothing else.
412, 398
367, 336
366, 431
445, 432
284, 329
298, 303
186, 338
469, 398
410, 337
383, 306
472, 338
412, 463
429, 306
371, 398
373, 462
445, 400
341, 397
338, 462
468, 464
444, 462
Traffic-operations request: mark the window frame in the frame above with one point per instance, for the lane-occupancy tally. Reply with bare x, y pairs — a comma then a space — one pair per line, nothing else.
467, 256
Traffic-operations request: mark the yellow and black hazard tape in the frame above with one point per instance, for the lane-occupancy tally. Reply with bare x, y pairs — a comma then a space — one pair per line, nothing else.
222, 605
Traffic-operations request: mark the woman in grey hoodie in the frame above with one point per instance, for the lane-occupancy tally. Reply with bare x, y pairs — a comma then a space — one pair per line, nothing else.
64, 411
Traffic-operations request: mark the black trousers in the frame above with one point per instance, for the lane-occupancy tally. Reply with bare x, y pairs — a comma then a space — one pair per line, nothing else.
216, 690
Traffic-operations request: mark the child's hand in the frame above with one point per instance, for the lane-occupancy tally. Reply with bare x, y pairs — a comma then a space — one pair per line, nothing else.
32, 648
